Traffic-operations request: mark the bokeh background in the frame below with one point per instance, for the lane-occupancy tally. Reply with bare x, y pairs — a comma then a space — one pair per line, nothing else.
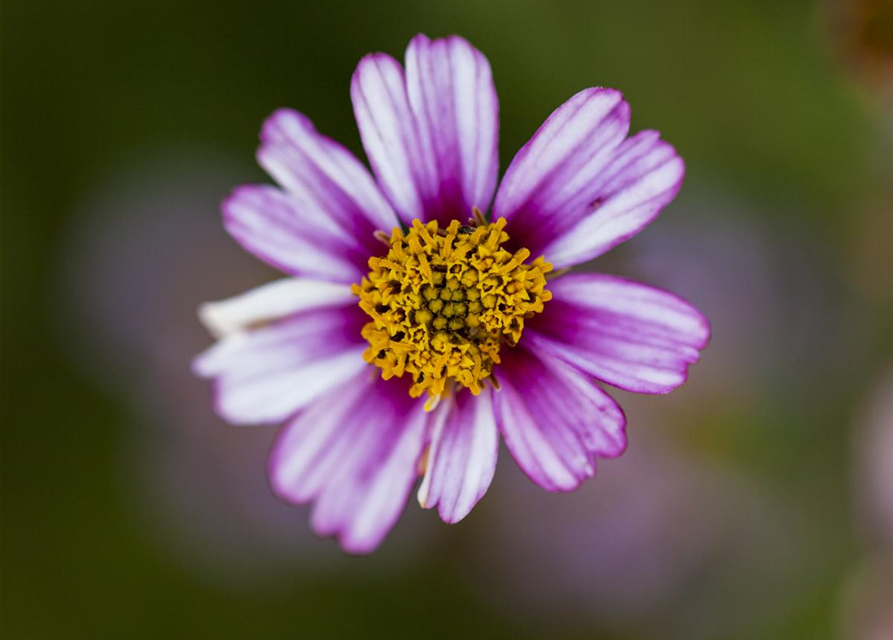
754, 502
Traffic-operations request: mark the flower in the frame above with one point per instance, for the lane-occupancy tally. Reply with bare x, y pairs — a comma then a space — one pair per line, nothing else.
413, 328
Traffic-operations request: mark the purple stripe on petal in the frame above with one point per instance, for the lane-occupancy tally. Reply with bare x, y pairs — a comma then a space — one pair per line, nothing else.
554, 419
388, 131
577, 188
293, 238
430, 133
627, 334
574, 143
462, 459
267, 374
325, 180
354, 451
451, 93
644, 176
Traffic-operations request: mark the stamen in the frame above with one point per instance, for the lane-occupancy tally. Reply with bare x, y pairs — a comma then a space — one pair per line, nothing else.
558, 273
444, 301
382, 236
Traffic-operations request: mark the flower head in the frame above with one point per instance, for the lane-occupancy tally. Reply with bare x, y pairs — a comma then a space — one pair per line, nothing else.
413, 328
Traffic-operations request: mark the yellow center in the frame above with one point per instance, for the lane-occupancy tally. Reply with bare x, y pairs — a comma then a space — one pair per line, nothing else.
443, 302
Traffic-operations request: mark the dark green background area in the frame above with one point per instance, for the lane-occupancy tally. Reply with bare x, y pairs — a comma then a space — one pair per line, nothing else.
750, 93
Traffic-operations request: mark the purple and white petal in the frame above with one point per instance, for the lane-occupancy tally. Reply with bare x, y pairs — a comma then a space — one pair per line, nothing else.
578, 188
322, 224
267, 374
355, 451
451, 94
271, 301
627, 334
323, 176
430, 132
554, 419
644, 176
462, 457
293, 237
389, 134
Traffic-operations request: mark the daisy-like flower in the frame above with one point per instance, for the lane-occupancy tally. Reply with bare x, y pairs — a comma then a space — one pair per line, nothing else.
414, 327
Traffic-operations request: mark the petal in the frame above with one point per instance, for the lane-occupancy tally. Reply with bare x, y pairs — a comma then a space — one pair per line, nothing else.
355, 451
451, 94
431, 133
644, 176
324, 178
295, 239
627, 334
462, 458
577, 188
270, 302
266, 374
555, 420
389, 134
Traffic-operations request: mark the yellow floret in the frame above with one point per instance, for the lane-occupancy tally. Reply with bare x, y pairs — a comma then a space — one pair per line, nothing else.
442, 302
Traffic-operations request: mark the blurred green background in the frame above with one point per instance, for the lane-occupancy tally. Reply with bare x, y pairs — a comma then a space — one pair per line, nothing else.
753, 502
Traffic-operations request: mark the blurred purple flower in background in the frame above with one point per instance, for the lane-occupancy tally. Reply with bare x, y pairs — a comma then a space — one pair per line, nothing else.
756, 290
445, 300
656, 547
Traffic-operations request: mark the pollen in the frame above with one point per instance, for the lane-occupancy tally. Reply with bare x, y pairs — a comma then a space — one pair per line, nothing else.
443, 302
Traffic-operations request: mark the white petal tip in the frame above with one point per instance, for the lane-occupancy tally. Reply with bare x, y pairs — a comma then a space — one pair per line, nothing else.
214, 321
